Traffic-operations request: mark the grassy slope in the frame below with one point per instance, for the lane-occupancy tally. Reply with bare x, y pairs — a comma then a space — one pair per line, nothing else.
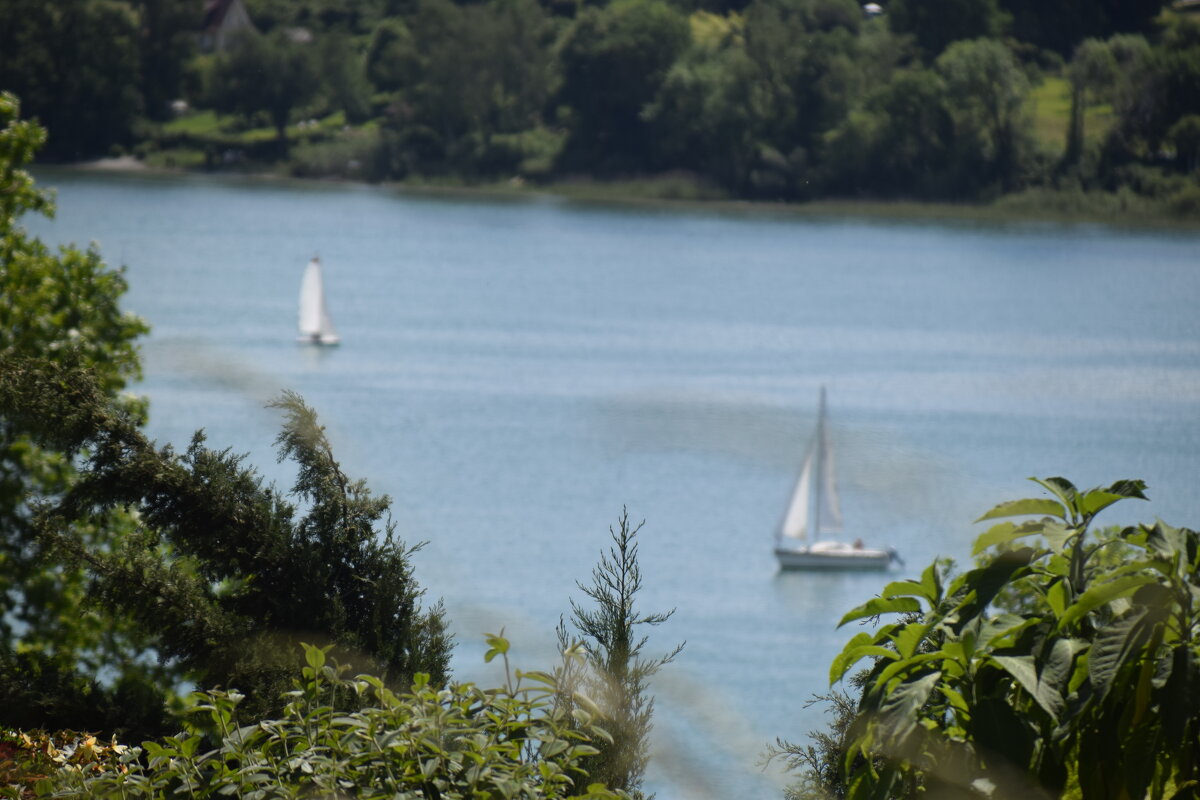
1049, 105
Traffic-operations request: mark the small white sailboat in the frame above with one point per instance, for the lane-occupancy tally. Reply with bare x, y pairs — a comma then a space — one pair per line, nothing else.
815, 511
315, 325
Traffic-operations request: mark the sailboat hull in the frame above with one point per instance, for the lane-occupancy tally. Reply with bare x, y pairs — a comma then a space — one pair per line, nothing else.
328, 340
833, 556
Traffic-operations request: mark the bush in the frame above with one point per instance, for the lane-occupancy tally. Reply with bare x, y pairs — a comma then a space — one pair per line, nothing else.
29, 758
1066, 664
342, 737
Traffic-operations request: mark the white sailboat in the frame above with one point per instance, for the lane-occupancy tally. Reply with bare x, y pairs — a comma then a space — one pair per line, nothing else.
816, 511
315, 325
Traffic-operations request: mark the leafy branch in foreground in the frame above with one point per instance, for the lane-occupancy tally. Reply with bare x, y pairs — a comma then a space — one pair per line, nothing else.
341, 737
1088, 688
222, 571
612, 671
62, 305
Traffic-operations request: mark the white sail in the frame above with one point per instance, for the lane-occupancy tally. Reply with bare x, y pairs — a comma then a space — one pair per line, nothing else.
315, 323
795, 523
815, 505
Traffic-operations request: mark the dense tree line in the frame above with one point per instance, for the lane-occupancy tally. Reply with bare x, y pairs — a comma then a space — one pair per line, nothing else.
773, 99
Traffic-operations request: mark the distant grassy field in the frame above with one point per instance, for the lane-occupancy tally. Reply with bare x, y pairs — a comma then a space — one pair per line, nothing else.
1050, 106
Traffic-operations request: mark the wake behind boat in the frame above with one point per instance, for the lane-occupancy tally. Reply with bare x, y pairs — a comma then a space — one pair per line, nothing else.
816, 508
316, 327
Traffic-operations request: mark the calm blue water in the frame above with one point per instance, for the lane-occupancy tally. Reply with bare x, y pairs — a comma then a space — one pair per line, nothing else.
514, 372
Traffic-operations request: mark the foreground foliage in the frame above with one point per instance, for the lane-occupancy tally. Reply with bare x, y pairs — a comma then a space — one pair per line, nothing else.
223, 573
612, 669
339, 736
28, 758
1056, 667
61, 306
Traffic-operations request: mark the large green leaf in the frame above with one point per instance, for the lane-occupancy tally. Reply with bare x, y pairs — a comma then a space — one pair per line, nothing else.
908, 637
1032, 506
1023, 668
994, 632
1061, 488
899, 713
840, 664
980, 586
1102, 594
1025, 671
1118, 644
928, 588
1057, 596
1005, 532
1056, 672
1165, 541
902, 666
1095, 500
1139, 748
1059, 534
851, 656
881, 605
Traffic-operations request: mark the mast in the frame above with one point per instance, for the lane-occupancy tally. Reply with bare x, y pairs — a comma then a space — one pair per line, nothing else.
815, 525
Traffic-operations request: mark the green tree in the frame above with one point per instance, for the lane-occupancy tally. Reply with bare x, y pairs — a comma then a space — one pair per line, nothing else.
806, 80
986, 90
1060, 25
935, 24
700, 118
1093, 69
614, 59
613, 673
271, 74
1055, 667
1163, 87
343, 77
60, 306
166, 31
223, 573
74, 64
392, 57
916, 140
1185, 136
480, 70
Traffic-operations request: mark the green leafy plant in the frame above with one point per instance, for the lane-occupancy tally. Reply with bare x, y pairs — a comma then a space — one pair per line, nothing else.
607, 664
61, 306
342, 736
223, 574
1087, 688
29, 758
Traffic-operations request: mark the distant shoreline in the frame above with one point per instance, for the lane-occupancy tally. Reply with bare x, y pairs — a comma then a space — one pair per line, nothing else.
648, 193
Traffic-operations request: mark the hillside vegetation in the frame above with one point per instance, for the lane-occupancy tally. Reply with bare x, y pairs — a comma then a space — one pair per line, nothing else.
1062, 102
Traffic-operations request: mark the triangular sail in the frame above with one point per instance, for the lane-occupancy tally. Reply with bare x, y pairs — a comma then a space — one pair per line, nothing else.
315, 322
311, 300
795, 523
815, 499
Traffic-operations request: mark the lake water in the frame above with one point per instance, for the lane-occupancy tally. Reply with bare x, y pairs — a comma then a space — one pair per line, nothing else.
514, 372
